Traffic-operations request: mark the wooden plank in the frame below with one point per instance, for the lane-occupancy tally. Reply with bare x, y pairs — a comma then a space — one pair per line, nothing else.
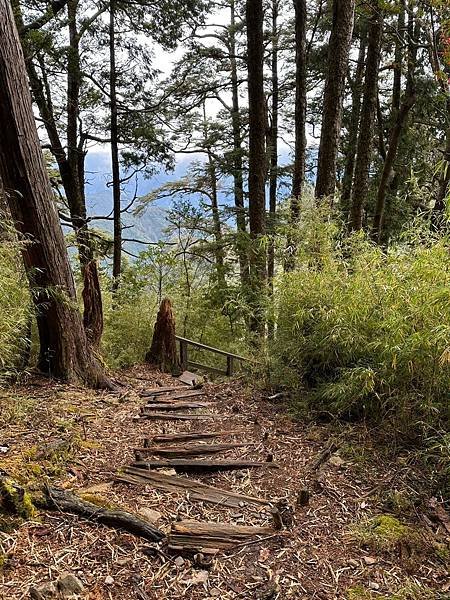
193, 535
193, 450
166, 389
155, 416
189, 378
196, 490
174, 406
183, 465
187, 437
176, 396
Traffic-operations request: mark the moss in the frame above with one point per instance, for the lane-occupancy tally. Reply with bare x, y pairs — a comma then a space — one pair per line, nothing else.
408, 592
16, 500
386, 533
3, 560
398, 502
442, 552
358, 593
97, 500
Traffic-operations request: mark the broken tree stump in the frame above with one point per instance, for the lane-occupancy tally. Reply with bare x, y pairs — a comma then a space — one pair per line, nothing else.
184, 451
184, 465
163, 351
196, 490
195, 536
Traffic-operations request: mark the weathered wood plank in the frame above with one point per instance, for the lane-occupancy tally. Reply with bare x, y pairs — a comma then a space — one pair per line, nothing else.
193, 535
187, 437
193, 450
183, 465
174, 406
176, 396
196, 490
179, 416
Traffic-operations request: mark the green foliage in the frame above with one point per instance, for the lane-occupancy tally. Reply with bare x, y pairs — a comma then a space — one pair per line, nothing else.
15, 306
363, 332
385, 533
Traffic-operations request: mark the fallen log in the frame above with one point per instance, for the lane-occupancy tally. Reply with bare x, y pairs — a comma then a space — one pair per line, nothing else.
179, 416
174, 406
183, 465
322, 457
64, 501
187, 437
194, 450
192, 535
196, 490
16, 500
164, 390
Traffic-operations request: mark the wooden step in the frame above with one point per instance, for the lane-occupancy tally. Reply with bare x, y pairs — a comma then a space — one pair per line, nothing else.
155, 416
193, 436
193, 450
174, 406
183, 465
195, 536
176, 395
197, 491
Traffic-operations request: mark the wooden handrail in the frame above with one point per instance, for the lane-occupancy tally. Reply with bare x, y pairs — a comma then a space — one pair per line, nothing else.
185, 362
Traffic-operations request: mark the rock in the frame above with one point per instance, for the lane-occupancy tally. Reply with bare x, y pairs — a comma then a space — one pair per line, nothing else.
370, 560
374, 586
353, 563
336, 461
179, 561
214, 593
43, 592
109, 580
69, 585
99, 488
152, 516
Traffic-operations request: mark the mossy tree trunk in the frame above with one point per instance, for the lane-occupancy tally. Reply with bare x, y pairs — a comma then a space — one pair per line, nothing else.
163, 351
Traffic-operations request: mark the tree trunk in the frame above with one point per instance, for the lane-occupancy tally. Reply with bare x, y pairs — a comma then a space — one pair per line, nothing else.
398, 60
349, 168
368, 111
438, 215
92, 300
64, 350
238, 178
163, 351
299, 168
273, 143
117, 244
338, 53
257, 163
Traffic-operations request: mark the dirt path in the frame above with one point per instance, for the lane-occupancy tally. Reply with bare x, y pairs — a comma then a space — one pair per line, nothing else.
81, 439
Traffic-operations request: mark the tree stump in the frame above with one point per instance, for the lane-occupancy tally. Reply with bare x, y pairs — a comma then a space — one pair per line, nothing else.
163, 351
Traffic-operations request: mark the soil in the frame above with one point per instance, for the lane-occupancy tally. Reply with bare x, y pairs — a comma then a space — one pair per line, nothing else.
79, 439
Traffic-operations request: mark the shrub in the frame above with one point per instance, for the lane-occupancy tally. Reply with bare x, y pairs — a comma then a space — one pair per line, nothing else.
366, 332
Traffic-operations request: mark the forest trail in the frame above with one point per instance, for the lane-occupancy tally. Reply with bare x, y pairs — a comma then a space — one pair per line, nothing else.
97, 444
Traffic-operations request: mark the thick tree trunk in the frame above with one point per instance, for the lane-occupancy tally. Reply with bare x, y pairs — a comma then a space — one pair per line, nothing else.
117, 244
273, 145
338, 53
238, 177
92, 300
257, 163
64, 349
163, 351
299, 167
368, 112
349, 168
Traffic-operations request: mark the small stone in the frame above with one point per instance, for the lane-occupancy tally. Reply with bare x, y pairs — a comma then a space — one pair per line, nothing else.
353, 563
152, 516
337, 461
68, 584
374, 586
214, 593
43, 592
109, 580
369, 560
179, 561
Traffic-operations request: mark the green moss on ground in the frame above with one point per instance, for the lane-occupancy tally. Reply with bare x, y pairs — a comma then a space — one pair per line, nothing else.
385, 533
408, 592
16, 500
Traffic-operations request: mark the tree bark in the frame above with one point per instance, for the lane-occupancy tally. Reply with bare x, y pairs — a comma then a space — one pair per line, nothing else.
338, 53
368, 111
238, 177
64, 349
349, 168
273, 145
163, 351
92, 300
117, 243
257, 163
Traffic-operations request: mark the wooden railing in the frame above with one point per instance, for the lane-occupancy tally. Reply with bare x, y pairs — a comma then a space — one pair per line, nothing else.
186, 363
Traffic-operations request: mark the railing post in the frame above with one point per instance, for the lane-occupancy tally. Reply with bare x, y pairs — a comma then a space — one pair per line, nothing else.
184, 355
230, 366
